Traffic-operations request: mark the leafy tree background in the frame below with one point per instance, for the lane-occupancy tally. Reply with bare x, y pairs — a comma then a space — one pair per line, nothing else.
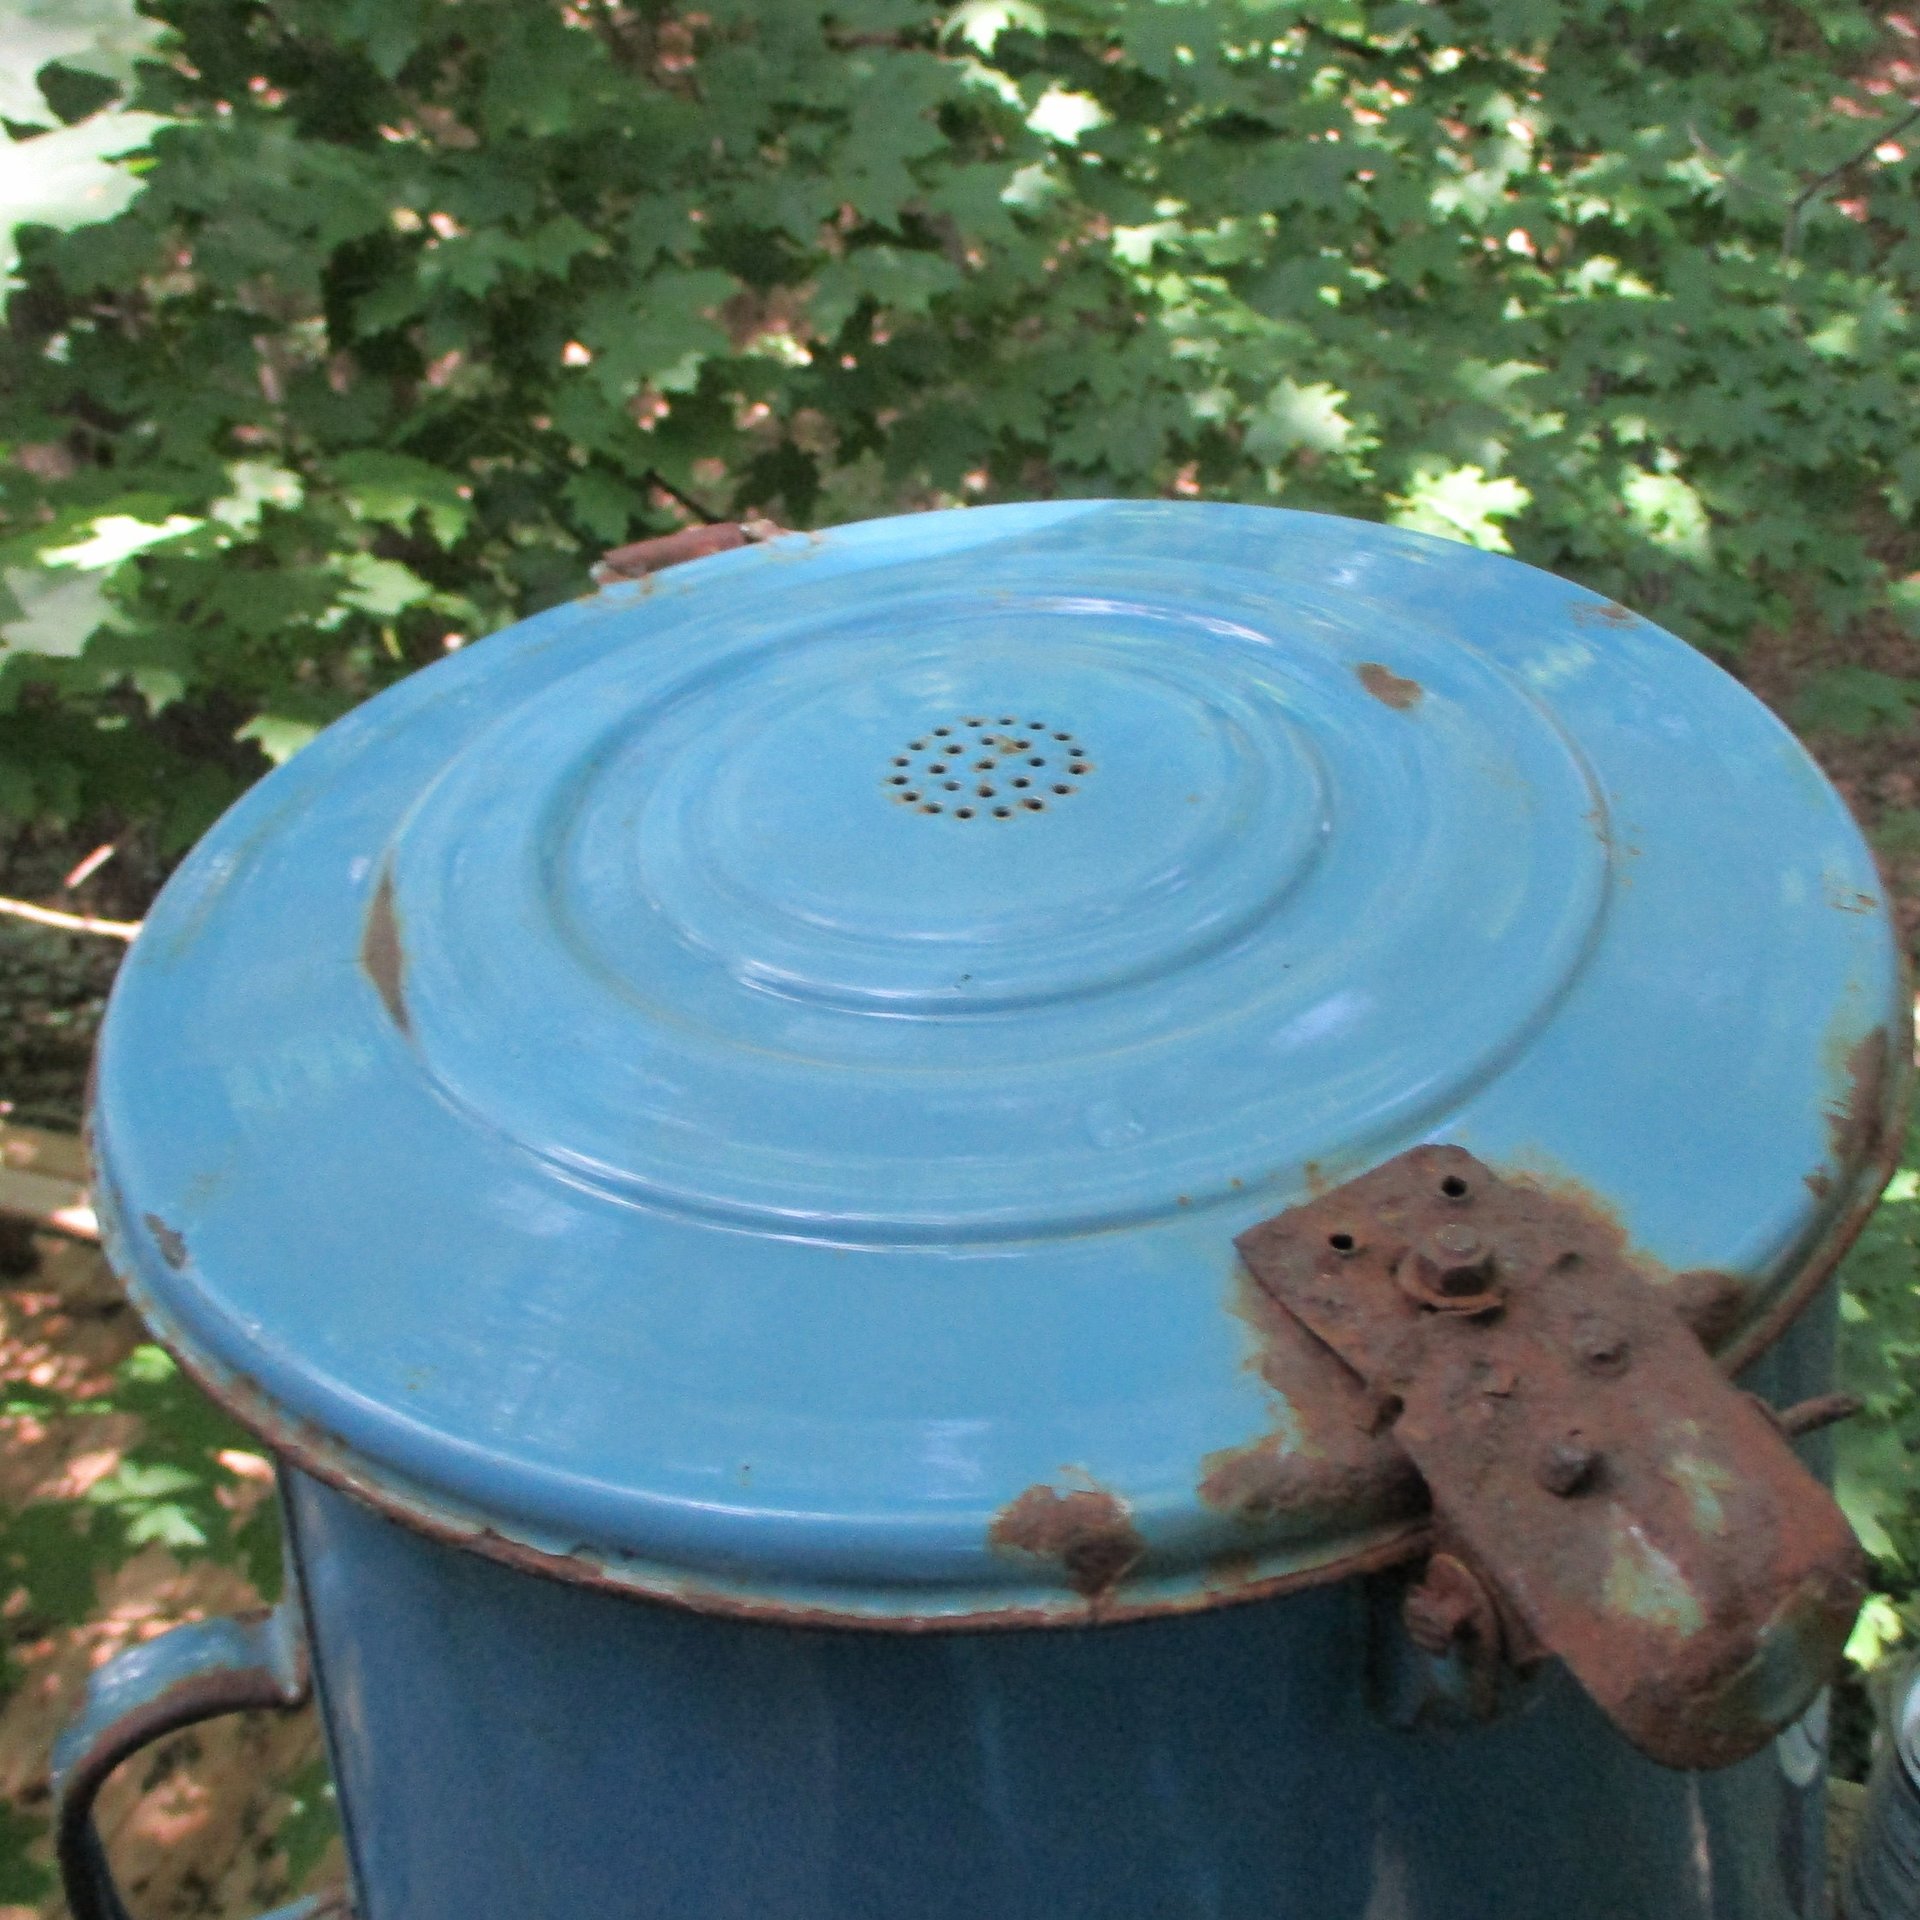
415, 303
342, 332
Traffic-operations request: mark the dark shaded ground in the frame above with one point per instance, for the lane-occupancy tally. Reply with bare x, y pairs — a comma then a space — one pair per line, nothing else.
1877, 769
53, 985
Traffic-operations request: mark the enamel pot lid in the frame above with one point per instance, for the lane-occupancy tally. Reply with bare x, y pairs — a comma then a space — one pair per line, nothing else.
745, 1086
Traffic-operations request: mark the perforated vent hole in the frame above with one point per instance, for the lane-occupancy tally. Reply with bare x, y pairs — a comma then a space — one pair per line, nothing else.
974, 745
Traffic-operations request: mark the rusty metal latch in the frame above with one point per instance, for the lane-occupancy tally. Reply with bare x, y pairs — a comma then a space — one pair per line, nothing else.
1602, 1493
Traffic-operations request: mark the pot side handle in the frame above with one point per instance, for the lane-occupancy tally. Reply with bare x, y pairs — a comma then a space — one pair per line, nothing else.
190, 1673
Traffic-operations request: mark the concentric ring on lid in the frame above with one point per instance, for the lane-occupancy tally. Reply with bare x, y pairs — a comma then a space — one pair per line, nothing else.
708, 893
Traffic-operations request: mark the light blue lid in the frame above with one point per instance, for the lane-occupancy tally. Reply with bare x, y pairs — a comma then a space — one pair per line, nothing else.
741, 1078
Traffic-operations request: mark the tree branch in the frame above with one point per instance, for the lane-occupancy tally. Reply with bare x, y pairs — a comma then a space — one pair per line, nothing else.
1790, 235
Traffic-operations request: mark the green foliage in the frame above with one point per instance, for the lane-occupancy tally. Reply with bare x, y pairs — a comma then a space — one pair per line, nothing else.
1879, 1450
22, 1878
67, 176
99, 40
1898, 832
166, 1490
417, 302
172, 1488
1855, 700
312, 1821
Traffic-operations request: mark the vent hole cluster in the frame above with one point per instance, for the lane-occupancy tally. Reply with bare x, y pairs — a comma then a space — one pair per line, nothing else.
986, 766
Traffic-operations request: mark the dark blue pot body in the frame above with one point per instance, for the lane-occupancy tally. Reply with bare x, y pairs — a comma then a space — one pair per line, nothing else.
512, 1748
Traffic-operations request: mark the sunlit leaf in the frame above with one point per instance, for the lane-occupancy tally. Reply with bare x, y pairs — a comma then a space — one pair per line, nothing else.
381, 587
1877, 1631
105, 37
70, 176
57, 612
1064, 115
255, 486
118, 536
1294, 416
390, 488
1462, 503
1671, 514
981, 22
278, 738
149, 1365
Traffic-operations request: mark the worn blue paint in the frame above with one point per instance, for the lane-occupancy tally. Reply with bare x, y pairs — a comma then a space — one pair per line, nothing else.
146, 1677
581, 1104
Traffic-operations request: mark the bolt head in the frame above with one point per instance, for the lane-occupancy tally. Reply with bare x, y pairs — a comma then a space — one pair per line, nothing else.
1598, 1342
1566, 1465
1605, 1353
1460, 1260
1450, 1268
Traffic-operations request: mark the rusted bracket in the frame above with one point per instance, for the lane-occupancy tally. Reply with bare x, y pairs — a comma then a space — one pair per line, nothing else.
642, 557
1601, 1492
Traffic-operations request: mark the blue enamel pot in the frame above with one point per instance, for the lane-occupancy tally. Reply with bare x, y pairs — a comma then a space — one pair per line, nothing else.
1031, 1212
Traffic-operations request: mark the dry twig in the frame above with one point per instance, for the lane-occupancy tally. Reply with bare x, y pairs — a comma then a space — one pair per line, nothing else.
70, 922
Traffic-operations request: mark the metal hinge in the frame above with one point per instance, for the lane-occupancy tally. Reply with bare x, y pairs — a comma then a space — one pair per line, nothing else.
1602, 1493
639, 558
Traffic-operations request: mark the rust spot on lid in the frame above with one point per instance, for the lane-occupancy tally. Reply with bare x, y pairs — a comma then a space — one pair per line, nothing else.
313, 1450
1855, 1122
1845, 899
1271, 1480
1384, 684
1602, 613
1329, 1462
172, 1245
1088, 1530
381, 954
